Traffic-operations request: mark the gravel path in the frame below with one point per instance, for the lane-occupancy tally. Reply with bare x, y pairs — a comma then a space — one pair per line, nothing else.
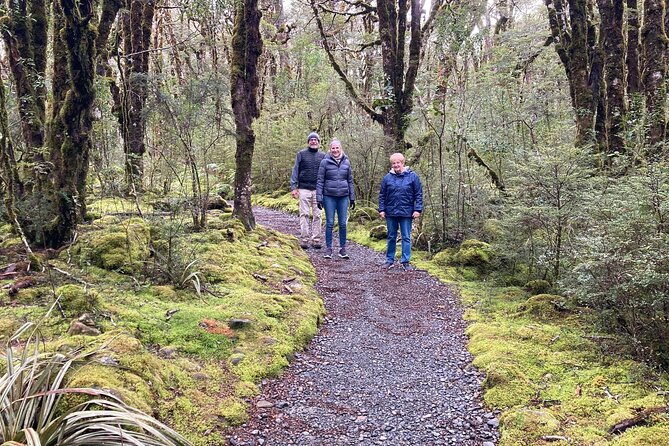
388, 367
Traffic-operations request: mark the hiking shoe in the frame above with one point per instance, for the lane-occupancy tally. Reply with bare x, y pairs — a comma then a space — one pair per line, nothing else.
342, 254
328, 253
316, 245
388, 266
408, 267
304, 245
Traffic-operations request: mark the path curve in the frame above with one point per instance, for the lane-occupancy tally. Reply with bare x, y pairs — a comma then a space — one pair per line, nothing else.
389, 366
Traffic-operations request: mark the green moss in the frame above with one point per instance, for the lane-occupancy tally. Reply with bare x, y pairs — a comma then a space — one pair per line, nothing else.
74, 300
538, 286
474, 253
445, 257
544, 307
233, 411
529, 424
643, 436
122, 246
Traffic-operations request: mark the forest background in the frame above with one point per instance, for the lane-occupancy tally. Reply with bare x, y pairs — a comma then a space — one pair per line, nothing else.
538, 128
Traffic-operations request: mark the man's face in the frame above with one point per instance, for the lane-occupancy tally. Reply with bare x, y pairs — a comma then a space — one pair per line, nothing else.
314, 143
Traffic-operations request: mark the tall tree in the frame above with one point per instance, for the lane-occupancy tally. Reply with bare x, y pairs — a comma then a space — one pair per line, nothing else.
48, 183
574, 37
401, 56
137, 36
632, 55
654, 44
246, 49
612, 45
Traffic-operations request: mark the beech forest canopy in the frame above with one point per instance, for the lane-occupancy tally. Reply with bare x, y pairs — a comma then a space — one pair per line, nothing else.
537, 127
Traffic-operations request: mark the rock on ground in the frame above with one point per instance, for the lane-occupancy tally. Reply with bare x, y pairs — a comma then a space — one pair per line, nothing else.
388, 367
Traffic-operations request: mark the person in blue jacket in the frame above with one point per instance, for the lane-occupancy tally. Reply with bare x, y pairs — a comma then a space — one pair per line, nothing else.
335, 193
400, 201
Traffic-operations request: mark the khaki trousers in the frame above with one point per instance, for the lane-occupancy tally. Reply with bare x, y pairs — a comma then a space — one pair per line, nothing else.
311, 219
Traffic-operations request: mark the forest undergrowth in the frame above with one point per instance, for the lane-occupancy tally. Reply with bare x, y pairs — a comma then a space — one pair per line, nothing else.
191, 322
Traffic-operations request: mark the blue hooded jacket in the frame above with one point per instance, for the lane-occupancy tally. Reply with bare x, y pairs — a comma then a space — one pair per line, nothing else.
334, 179
401, 194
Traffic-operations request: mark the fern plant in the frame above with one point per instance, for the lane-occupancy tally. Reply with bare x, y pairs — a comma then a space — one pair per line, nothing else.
32, 390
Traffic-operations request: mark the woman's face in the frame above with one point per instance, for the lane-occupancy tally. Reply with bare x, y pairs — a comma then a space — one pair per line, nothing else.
335, 149
397, 165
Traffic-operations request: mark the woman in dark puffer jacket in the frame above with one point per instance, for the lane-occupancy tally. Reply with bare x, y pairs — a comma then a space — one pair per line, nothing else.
334, 192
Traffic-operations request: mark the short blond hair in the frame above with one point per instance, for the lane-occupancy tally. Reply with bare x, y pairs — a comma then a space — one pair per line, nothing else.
398, 156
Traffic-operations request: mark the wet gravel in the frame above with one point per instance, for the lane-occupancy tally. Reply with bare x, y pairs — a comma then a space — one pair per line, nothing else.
388, 367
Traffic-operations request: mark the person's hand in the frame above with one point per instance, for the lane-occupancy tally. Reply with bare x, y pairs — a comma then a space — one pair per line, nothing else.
320, 205
382, 214
352, 204
295, 193
415, 214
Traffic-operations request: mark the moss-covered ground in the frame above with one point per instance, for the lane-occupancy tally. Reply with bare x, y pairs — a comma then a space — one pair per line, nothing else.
190, 321
553, 379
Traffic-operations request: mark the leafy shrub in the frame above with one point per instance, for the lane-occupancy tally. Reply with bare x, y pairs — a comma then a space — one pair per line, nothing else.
623, 268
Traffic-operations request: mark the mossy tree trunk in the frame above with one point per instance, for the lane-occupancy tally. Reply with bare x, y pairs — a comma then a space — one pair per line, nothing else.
574, 37
71, 128
246, 49
612, 42
654, 43
137, 42
632, 56
54, 201
24, 33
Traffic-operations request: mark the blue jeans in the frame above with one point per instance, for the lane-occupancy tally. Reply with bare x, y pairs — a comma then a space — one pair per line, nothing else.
332, 204
404, 224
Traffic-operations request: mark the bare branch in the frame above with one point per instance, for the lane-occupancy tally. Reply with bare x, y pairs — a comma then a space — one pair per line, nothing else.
377, 117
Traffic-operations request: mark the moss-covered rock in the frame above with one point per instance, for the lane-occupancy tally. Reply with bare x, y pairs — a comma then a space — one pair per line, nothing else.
445, 257
122, 246
543, 307
379, 232
364, 214
474, 253
74, 300
538, 286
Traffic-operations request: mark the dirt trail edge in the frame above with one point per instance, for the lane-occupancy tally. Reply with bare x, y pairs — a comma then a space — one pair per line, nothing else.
388, 367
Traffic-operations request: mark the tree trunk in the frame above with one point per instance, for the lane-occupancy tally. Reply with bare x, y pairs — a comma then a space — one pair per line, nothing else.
141, 22
246, 49
612, 45
654, 43
632, 58
71, 130
24, 34
572, 30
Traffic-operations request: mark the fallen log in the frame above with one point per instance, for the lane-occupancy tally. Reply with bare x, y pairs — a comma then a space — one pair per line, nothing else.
637, 420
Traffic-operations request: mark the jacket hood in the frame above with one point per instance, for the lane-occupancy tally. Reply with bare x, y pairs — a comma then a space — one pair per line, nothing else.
406, 170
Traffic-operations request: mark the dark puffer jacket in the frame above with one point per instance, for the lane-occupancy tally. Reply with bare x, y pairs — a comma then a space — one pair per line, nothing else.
401, 194
305, 169
334, 179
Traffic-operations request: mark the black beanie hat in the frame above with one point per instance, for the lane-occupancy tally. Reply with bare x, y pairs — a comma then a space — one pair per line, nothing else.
313, 135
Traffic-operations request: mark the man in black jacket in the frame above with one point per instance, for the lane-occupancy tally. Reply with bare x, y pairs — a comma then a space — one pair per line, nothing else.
303, 187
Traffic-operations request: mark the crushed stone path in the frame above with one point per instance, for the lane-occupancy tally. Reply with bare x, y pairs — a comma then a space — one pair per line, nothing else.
389, 365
